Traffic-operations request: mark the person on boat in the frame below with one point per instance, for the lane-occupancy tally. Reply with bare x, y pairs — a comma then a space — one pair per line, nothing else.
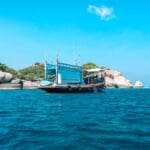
21, 84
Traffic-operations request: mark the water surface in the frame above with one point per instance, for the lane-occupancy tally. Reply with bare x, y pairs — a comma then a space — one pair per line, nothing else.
115, 119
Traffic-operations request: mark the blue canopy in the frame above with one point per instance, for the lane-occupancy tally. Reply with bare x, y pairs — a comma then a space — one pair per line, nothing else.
70, 74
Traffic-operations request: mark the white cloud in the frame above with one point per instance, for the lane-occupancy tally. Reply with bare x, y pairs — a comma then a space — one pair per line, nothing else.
103, 12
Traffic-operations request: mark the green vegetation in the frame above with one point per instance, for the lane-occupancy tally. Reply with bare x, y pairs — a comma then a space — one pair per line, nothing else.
89, 66
5, 68
32, 72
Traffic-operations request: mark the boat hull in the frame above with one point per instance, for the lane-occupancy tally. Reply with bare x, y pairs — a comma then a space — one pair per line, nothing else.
92, 88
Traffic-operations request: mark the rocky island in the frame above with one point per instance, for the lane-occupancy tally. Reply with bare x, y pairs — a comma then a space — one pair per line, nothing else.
9, 78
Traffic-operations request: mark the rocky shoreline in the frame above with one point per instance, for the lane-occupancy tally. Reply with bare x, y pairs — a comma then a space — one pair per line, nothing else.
11, 86
8, 81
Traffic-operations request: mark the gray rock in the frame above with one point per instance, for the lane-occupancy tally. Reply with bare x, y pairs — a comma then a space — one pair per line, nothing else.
5, 77
30, 84
15, 81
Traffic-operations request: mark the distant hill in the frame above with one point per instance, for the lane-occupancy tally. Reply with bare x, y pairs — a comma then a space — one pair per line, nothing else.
32, 72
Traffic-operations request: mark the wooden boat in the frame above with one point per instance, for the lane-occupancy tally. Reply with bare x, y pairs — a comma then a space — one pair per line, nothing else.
66, 78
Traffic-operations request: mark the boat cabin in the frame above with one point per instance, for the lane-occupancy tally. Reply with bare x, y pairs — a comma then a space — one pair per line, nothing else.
93, 76
66, 74
63, 74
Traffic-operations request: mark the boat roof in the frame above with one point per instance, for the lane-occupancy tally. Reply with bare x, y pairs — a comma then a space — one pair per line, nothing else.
94, 70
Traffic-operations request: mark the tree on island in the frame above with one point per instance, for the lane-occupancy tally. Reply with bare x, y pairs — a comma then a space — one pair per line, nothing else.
89, 65
5, 68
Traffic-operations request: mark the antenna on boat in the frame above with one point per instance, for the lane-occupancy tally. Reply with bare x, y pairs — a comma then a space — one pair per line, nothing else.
77, 61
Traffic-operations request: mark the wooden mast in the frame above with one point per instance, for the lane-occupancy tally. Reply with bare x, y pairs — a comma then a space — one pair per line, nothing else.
56, 69
45, 70
45, 67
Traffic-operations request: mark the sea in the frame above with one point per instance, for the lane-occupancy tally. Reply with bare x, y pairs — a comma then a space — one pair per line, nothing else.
116, 119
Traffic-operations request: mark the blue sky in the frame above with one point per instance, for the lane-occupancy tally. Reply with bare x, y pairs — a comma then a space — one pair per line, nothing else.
112, 33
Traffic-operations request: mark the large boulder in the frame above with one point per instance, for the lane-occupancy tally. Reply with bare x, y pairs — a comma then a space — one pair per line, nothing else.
5, 77
15, 81
30, 84
116, 79
138, 84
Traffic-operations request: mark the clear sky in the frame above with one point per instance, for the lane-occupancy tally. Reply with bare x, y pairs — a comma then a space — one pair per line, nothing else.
112, 33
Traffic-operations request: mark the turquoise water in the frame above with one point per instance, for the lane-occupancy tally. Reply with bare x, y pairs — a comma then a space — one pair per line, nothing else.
115, 119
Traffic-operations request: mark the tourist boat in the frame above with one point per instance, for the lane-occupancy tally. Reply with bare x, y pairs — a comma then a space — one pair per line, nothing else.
66, 78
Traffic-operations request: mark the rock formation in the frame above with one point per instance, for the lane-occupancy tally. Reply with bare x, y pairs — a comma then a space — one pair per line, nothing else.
30, 84
138, 84
116, 79
5, 77
15, 81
